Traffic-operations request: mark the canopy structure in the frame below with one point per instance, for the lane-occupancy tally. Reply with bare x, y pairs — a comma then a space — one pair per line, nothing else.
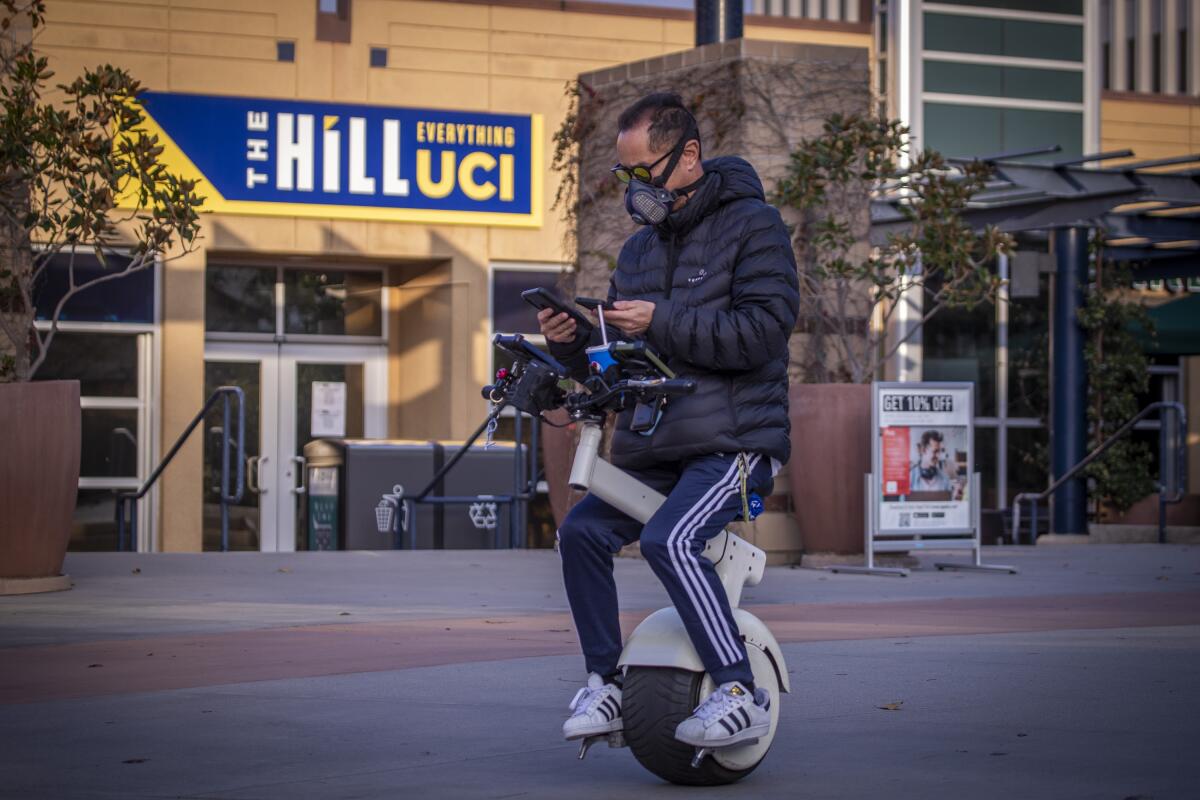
1150, 214
1176, 328
1150, 210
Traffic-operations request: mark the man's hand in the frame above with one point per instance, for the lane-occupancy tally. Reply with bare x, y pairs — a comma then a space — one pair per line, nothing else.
632, 317
558, 327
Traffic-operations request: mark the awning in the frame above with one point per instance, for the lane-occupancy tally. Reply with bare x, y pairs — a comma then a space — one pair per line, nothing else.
1176, 328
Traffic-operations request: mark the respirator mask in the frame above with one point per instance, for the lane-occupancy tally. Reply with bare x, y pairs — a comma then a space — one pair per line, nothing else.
647, 199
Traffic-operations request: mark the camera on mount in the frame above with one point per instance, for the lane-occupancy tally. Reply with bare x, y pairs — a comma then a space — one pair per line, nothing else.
531, 384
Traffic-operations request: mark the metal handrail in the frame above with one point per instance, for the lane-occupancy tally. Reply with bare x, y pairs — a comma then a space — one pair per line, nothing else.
126, 501
1181, 470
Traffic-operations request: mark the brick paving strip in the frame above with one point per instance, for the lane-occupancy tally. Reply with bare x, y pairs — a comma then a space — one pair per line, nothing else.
71, 671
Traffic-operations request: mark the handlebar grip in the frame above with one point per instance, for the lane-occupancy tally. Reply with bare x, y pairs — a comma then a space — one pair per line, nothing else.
677, 386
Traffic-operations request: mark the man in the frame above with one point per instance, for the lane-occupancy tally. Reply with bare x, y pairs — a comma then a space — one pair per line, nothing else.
927, 474
710, 284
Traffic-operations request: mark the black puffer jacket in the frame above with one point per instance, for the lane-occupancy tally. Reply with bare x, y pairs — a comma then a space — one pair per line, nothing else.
722, 276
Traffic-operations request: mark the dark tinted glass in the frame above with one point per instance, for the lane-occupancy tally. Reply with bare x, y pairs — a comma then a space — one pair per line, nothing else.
1026, 129
963, 130
511, 314
239, 299
967, 131
127, 299
995, 81
244, 517
1028, 457
109, 446
959, 344
1048, 6
330, 303
1003, 37
105, 364
94, 526
985, 464
1029, 352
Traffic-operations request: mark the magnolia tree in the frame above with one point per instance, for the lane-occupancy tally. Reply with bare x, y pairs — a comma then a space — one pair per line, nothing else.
850, 291
78, 173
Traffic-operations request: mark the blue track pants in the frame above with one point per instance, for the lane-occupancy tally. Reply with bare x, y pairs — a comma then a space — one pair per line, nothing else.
703, 495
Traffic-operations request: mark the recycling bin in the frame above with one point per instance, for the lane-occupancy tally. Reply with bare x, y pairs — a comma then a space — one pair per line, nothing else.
483, 472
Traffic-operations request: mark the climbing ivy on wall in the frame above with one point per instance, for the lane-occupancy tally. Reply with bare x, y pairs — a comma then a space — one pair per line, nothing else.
1117, 375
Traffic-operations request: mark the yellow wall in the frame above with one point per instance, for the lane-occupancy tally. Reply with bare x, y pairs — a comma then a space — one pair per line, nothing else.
470, 56
1151, 128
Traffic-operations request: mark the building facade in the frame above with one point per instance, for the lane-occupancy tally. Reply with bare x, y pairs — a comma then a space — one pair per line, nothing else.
358, 272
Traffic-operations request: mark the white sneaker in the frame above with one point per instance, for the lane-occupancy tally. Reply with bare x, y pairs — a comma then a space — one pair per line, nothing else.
730, 715
597, 708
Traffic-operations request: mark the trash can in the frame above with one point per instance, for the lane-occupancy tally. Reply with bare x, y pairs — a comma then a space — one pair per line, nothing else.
364, 475
485, 524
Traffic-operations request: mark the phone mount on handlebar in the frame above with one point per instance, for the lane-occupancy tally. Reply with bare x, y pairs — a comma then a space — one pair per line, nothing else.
637, 378
532, 383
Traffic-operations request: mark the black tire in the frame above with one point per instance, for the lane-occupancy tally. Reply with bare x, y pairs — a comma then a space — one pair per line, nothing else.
654, 701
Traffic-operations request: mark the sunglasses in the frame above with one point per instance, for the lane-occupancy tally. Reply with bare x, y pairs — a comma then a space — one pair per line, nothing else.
643, 173
626, 174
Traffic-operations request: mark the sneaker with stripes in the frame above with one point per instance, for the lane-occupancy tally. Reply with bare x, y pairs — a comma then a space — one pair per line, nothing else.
597, 708
729, 716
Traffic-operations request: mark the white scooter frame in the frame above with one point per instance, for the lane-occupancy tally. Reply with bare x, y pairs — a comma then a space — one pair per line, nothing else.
661, 639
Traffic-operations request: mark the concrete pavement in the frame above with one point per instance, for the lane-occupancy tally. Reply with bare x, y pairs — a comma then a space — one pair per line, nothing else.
447, 675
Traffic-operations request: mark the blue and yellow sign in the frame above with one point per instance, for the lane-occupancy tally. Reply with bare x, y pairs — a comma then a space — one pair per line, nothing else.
332, 160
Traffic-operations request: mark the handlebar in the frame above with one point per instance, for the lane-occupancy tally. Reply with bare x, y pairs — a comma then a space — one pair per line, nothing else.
655, 387
667, 387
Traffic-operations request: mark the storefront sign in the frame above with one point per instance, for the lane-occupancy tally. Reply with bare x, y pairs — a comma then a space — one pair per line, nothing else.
922, 456
332, 160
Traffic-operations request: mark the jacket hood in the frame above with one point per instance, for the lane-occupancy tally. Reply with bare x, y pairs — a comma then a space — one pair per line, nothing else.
738, 178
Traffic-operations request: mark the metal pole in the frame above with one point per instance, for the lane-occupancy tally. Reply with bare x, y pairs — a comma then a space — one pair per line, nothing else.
1002, 309
1069, 413
120, 514
514, 509
718, 21
225, 420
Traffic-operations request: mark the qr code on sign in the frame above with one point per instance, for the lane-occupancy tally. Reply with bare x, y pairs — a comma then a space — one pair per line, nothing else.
905, 520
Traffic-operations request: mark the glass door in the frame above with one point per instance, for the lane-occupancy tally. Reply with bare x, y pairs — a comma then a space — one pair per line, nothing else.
255, 368
326, 392
294, 394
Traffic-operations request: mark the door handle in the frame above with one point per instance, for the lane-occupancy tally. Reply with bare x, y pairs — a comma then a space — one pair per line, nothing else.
254, 473
302, 486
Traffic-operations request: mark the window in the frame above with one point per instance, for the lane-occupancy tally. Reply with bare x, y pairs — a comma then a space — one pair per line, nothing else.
239, 299
285, 51
511, 314
1002, 81
256, 301
127, 299
104, 342
1003, 37
332, 303
379, 57
333, 20
114, 425
965, 131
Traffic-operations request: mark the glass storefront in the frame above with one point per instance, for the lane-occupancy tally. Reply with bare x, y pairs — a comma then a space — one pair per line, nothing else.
283, 335
105, 342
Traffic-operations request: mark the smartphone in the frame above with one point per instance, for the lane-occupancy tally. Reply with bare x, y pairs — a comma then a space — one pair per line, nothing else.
540, 297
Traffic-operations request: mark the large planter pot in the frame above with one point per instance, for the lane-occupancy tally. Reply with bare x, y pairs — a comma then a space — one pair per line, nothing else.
39, 478
831, 451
